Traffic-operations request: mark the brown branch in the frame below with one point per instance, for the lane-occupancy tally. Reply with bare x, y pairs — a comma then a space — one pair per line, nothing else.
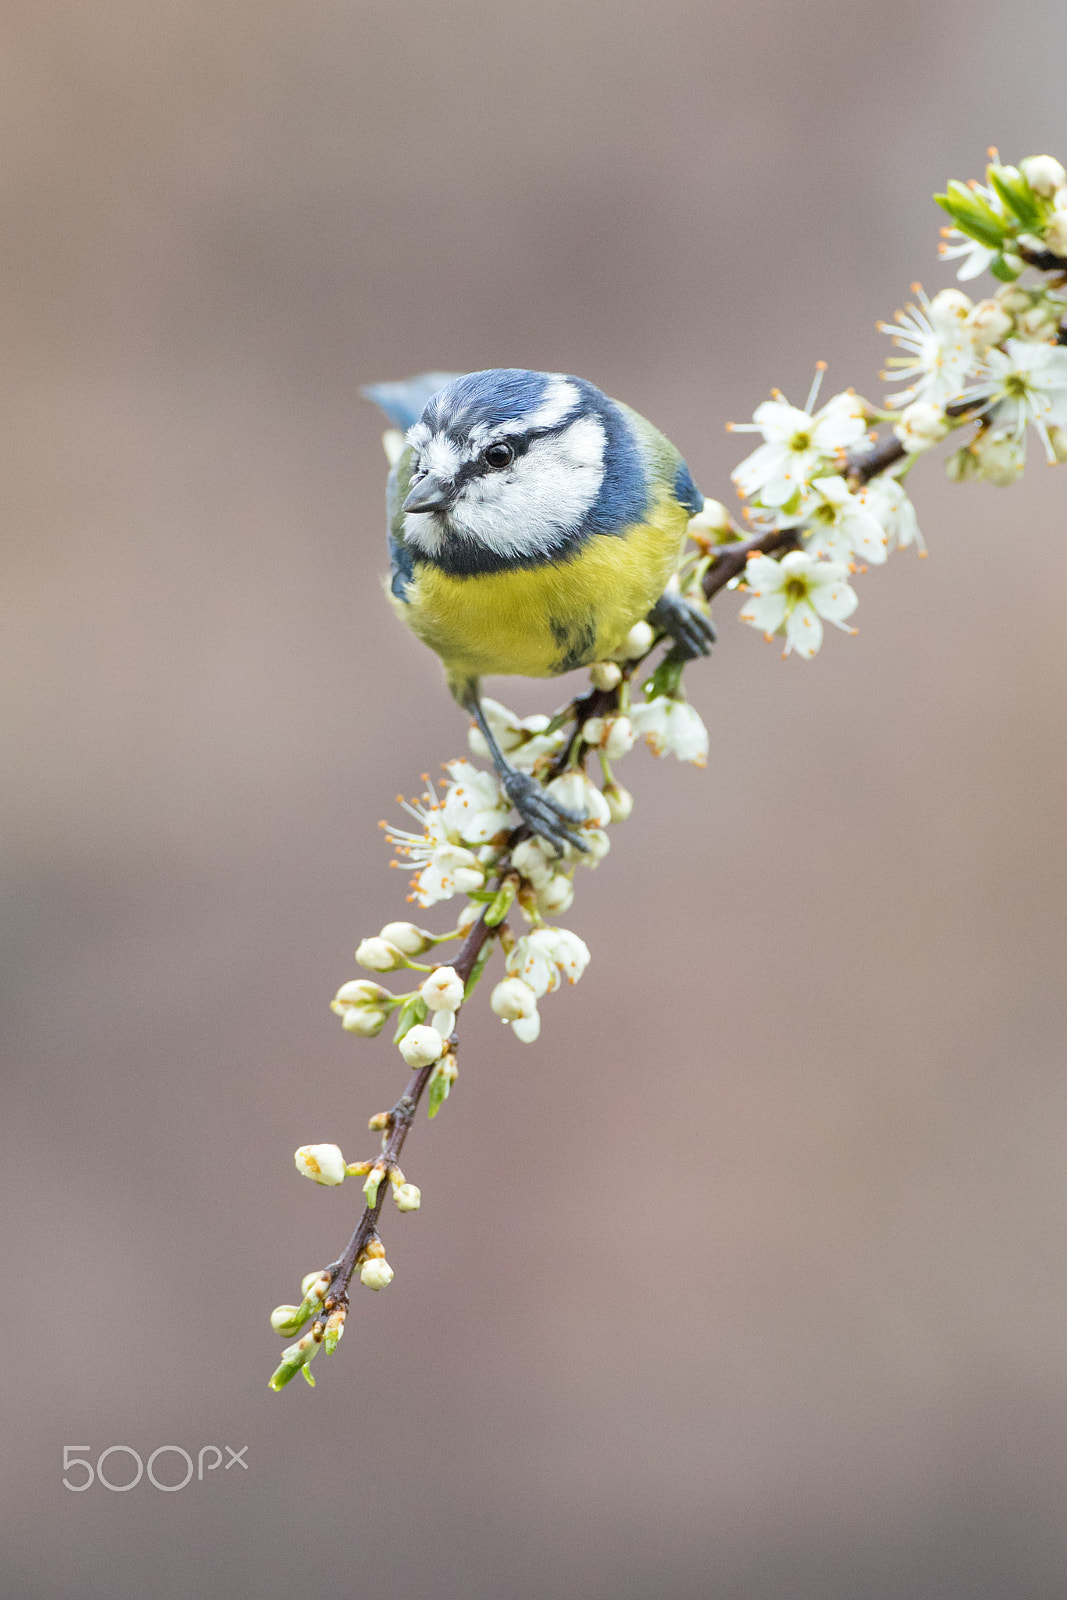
400, 1119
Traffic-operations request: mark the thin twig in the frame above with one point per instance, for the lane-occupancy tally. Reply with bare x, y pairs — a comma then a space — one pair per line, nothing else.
400, 1119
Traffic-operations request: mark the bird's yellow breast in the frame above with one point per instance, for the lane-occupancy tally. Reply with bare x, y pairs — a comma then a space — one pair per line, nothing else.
541, 620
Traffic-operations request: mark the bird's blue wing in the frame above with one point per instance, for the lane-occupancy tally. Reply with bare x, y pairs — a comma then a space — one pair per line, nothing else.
686, 492
405, 400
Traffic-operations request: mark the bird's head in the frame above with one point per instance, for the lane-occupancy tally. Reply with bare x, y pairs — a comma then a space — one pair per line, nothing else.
508, 465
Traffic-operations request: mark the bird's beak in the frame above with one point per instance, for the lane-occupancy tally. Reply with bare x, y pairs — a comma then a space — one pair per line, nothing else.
431, 494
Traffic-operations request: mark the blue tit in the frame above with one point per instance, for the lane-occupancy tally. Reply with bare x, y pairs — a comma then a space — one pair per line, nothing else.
532, 523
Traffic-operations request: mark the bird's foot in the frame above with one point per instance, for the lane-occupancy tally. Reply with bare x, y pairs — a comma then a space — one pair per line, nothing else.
691, 630
543, 815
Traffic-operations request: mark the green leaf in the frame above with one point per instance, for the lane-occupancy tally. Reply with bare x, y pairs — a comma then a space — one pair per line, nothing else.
440, 1086
665, 679
973, 215
309, 1376
282, 1376
1017, 195
1001, 269
502, 904
478, 968
412, 1012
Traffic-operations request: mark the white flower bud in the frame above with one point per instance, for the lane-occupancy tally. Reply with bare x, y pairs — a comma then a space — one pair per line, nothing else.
512, 999
376, 1274
1044, 174
999, 458
620, 801
411, 940
1056, 231
714, 519
558, 893
283, 1319
1057, 438
597, 845
421, 1045
1038, 322
989, 323
319, 1281
468, 916
364, 1024
407, 1197
322, 1162
443, 990
921, 425
476, 743
380, 956
359, 992
535, 859
949, 306
638, 641
527, 1028
606, 674
575, 791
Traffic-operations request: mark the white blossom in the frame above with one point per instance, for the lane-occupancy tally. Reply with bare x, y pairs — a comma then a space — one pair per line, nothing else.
1056, 231
975, 257
527, 1029
579, 794
638, 642
513, 998
376, 1273
536, 860
792, 595
839, 525
1044, 174
1027, 383
613, 735
421, 1045
796, 445
557, 895
407, 1196
323, 1163
620, 801
940, 344
407, 937
989, 322
545, 956
712, 519
475, 808
671, 727
993, 456
443, 990
606, 674
379, 955
921, 425
524, 740
885, 499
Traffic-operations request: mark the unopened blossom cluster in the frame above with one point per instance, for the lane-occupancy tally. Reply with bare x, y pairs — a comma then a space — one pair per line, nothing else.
825, 499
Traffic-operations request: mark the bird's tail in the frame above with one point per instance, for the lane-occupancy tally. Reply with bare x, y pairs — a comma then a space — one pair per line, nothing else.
405, 400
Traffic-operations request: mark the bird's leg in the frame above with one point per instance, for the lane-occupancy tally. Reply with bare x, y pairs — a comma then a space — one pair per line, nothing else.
686, 624
543, 815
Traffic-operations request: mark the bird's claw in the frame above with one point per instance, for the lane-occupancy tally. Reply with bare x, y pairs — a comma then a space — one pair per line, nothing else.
542, 814
693, 633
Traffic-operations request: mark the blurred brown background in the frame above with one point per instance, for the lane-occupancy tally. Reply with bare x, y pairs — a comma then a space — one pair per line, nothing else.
748, 1280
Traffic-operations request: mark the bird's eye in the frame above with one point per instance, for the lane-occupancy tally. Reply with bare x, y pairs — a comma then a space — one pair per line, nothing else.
498, 455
